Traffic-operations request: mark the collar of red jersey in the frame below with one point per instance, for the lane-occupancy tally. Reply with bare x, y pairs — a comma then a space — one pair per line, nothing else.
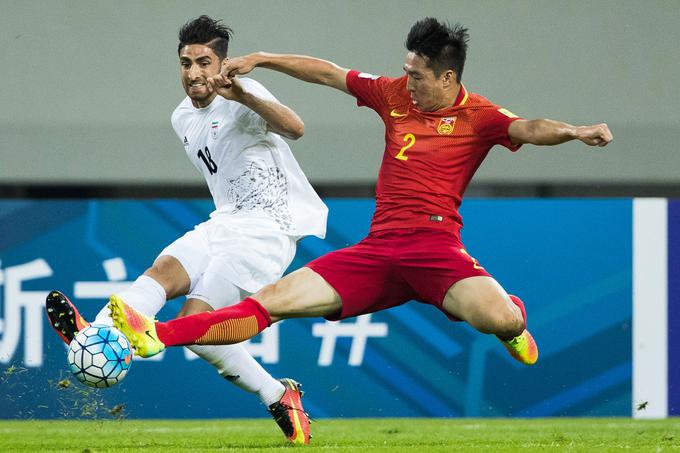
462, 97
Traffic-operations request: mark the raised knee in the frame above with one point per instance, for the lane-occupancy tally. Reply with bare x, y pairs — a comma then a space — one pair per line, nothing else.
509, 323
504, 322
170, 274
163, 267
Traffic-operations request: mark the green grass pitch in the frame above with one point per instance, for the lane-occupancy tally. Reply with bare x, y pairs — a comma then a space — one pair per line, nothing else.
349, 435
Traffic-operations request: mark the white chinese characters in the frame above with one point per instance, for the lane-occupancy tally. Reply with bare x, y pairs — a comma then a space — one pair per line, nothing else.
32, 303
359, 331
21, 313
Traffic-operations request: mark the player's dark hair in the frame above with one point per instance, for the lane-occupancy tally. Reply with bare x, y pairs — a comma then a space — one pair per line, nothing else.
206, 30
444, 46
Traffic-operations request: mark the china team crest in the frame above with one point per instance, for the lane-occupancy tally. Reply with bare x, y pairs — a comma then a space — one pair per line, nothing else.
445, 126
213, 129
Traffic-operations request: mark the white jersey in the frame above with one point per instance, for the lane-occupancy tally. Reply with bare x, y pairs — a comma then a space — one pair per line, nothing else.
250, 171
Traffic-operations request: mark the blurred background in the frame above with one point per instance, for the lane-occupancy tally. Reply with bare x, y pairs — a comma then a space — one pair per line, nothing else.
87, 89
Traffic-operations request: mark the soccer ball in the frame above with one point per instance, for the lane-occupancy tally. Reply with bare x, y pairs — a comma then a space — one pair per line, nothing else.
99, 356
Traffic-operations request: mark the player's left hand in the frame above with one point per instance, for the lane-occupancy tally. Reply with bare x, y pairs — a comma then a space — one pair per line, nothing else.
596, 135
227, 87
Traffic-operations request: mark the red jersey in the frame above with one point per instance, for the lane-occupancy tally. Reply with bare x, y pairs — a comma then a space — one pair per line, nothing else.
429, 157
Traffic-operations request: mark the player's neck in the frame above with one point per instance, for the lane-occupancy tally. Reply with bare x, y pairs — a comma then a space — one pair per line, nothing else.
449, 98
203, 103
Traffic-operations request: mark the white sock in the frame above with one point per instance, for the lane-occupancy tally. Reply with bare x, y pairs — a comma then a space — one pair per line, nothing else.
236, 365
145, 295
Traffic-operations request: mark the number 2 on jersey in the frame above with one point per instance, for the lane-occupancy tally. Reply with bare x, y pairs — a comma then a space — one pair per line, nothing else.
207, 160
411, 139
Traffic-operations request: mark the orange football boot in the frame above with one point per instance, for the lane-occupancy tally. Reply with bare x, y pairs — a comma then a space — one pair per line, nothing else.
289, 414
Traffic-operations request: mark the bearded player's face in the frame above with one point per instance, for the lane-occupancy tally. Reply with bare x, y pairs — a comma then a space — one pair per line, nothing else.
428, 92
197, 62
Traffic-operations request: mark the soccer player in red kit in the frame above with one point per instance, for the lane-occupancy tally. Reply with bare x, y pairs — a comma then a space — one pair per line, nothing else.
436, 136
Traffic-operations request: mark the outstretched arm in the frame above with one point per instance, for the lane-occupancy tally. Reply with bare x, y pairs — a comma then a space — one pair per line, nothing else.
301, 67
280, 119
550, 132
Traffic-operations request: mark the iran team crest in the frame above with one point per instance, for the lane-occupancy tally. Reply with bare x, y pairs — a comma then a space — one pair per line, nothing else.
445, 126
213, 129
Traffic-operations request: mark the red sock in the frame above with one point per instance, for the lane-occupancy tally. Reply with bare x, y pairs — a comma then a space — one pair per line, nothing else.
517, 301
227, 325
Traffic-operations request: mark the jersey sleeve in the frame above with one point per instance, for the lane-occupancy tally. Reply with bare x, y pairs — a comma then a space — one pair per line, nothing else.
492, 124
368, 89
248, 119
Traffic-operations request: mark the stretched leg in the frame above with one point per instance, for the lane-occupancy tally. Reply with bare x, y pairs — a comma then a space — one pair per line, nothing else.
484, 304
174, 273
302, 293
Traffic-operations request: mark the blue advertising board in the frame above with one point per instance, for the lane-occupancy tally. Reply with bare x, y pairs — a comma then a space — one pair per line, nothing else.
569, 260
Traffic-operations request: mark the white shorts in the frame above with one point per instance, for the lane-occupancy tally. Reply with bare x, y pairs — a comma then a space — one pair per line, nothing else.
228, 251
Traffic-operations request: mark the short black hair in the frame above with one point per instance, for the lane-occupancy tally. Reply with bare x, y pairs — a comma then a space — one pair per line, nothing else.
444, 46
206, 30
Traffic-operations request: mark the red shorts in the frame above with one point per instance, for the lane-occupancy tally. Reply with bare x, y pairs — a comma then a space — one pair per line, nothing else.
391, 267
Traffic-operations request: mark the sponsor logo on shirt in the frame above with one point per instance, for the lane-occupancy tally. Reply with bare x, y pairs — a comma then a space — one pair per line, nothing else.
186, 142
445, 126
213, 129
395, 114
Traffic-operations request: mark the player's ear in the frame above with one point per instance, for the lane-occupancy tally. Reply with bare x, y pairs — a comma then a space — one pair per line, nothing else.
449, 78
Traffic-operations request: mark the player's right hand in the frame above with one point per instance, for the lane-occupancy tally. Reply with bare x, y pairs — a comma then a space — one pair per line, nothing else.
227, 87
238, 65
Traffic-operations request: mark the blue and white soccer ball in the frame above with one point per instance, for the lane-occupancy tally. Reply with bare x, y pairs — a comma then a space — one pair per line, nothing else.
99, 356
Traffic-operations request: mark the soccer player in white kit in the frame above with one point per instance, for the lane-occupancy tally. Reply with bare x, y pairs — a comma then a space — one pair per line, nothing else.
264, 205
